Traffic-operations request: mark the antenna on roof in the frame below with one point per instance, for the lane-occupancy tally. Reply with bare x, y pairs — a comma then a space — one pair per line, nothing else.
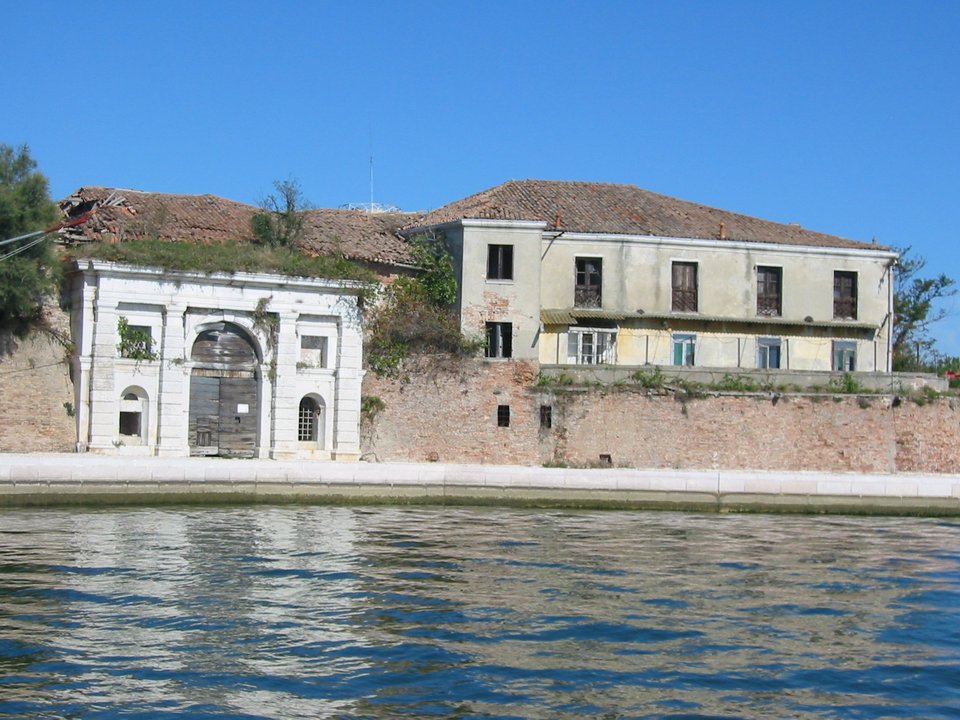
371, 207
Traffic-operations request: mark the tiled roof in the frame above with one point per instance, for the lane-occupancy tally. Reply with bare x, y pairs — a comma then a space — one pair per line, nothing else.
611, 208
132, 214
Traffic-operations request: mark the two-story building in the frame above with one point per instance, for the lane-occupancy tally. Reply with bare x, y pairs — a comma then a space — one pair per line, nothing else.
586, 273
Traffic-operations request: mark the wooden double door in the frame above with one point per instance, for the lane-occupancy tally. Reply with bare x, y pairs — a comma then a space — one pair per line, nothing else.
223, 415
224, 394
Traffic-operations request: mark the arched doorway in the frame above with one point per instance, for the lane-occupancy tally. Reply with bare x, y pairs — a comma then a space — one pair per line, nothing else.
223, 392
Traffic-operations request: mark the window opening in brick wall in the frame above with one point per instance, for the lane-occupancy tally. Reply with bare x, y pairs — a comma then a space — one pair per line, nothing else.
499, 262
844, 295
503, 415
684, 284
684, 349
768, 352
546, 416
499, 340
588, 290
769, 291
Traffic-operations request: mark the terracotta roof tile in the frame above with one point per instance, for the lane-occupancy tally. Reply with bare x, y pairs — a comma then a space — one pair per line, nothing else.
624, 209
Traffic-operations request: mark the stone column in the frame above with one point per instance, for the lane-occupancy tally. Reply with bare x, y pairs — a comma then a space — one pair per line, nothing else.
283, 443
173, 400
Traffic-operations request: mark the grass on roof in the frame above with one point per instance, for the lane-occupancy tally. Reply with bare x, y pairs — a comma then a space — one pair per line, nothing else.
228, 257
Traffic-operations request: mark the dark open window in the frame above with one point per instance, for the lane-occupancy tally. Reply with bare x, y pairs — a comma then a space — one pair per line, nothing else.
587, 292
500, 262
844, 295
499, 340
684, 287
546, 416
503, 415
769, 283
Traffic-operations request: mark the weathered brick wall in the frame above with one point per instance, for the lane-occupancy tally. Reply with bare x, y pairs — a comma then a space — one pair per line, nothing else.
448, 413
34, 385
445, 410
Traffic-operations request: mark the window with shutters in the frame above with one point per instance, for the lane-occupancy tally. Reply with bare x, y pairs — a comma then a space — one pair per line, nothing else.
844, 295
769, 283
589, 283
684, 287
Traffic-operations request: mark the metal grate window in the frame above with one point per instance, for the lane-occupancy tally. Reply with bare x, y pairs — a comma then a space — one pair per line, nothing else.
503, 416
307, 425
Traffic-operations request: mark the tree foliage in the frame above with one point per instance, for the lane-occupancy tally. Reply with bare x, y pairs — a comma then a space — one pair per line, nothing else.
279, 223
413, 314
28, 277
916, 307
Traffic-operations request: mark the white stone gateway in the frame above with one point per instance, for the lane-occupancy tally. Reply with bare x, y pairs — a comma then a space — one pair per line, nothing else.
252, 365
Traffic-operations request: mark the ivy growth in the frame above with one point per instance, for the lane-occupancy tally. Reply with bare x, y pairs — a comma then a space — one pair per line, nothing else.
135, 342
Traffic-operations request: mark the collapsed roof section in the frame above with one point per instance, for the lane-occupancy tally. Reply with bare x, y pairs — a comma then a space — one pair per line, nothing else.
122, 215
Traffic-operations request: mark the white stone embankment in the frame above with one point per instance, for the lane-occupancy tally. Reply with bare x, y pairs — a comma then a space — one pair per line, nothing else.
56, 479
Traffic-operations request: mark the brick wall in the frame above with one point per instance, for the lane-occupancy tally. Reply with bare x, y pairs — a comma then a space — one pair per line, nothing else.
447, 412
34, 385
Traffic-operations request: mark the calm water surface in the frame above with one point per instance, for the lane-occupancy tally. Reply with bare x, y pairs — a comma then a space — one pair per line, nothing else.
328, 612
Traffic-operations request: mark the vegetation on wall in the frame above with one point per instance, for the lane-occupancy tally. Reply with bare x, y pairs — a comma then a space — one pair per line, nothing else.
414, 314
135, 343
227, 258
29, 273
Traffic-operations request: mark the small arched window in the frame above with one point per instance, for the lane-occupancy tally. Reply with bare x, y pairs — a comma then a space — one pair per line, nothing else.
132, 424
310, 421
307, 425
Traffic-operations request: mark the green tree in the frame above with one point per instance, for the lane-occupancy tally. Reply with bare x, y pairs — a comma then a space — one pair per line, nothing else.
279, 223
413, 316
916, 308
29, 273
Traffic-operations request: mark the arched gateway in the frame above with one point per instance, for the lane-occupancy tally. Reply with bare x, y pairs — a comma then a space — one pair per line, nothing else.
224, 392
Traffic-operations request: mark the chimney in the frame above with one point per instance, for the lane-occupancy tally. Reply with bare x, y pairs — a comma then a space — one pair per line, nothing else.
723, 231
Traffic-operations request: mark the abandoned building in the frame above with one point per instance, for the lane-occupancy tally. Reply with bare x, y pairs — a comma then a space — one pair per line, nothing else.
235, 365
552, 274
240, 364
579, 273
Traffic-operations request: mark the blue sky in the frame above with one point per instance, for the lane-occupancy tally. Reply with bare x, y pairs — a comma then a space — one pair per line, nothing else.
842, 116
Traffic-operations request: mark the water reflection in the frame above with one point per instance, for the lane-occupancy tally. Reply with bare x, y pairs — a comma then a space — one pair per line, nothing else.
383, 612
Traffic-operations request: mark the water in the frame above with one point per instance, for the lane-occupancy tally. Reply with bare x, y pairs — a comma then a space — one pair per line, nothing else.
328, 612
